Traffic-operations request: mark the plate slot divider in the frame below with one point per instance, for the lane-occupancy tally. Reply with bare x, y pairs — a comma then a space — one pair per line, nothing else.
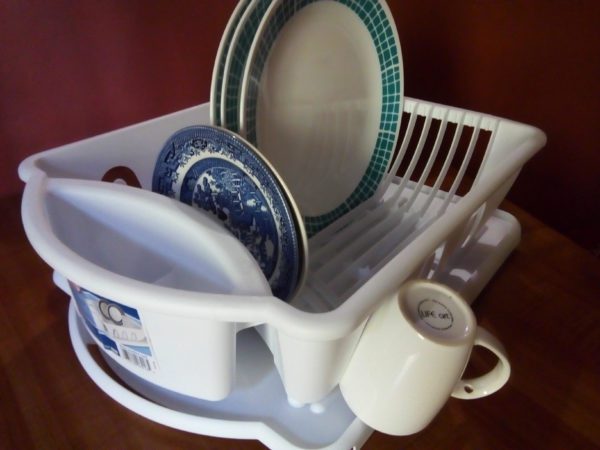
390, 215
349, 257
465, 162
446, 165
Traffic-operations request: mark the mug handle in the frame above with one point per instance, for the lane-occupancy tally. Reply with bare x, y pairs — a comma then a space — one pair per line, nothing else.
493, 380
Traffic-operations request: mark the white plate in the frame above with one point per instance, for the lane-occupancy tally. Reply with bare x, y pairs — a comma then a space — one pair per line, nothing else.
236, 61
322, 98
219, 67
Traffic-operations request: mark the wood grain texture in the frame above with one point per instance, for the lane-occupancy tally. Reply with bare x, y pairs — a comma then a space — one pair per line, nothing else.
543, 305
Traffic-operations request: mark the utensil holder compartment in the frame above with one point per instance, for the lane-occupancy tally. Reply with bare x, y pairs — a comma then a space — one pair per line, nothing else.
418, 225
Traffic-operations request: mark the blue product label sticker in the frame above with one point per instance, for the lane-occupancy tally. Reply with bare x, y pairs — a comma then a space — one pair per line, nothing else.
116, 327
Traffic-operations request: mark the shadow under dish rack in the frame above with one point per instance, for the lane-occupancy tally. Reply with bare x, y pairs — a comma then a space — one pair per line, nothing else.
420, 224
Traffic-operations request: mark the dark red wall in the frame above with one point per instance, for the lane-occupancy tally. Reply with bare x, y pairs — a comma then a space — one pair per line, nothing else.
72, 69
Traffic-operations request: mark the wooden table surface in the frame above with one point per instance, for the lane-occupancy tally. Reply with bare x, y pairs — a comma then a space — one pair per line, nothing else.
543, 304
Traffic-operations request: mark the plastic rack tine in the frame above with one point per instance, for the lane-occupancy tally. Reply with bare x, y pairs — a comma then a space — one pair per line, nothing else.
409, 107
416, 157
492, 126
430, 162
354, 230
373, 234
463, 166
347, 226
353, 249
409, 232
360, 231
447, 162
326, 234
370, 260
320, 250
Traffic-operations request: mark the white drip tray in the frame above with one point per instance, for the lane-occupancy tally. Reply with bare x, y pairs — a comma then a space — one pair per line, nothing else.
258, 407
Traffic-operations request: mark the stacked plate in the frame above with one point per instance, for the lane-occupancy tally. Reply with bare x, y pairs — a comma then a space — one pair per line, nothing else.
215, 170
306, 100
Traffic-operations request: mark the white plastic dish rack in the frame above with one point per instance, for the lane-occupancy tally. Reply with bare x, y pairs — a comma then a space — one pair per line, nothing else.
258, 406
417, 226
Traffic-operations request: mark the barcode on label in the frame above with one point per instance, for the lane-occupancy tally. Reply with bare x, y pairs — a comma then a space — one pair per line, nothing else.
139, 360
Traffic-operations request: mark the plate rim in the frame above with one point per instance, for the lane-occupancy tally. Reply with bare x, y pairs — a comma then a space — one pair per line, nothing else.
331, 215
251, 9
218, 72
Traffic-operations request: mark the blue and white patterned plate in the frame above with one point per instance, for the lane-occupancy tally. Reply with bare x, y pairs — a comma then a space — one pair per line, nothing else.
299, 103
215, 170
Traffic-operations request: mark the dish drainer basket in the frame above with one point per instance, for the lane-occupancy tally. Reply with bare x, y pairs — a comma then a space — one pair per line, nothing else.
418, 225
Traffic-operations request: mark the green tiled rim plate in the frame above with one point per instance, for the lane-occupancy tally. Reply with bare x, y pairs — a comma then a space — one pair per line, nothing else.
219, 66
236, 61
379, 22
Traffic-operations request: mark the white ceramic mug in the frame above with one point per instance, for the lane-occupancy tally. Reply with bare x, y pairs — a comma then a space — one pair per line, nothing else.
411, 357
